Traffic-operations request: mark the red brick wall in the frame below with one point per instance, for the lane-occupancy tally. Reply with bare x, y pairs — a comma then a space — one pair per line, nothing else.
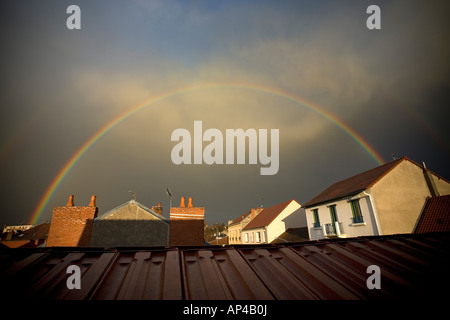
187, 226
71, 226
186, 233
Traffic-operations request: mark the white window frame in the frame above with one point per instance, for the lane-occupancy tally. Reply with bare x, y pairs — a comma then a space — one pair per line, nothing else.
258, 237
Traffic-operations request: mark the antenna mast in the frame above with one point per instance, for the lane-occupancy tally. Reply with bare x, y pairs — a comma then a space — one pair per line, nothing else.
133, 194
170, 197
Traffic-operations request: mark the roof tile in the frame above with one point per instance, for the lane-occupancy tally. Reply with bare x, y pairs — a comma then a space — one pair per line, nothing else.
435, 216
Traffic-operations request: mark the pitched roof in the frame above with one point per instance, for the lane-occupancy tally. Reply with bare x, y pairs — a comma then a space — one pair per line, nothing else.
435, 216
413, 266
265, 217
240, 218
32, 237
353, 185
35, 233
134, 202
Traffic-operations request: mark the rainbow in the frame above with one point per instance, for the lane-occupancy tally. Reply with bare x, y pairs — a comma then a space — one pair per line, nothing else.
128, 113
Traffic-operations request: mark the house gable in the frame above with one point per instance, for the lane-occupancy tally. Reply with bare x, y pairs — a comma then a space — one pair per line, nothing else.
130, 224
399, 198
353, 185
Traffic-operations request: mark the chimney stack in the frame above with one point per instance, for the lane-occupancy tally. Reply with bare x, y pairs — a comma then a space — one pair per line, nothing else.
70, 202
158, 209
71, 226
187, 224
430, 181
255, 211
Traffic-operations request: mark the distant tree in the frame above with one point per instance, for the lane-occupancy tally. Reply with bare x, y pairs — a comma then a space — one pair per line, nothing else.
212, 231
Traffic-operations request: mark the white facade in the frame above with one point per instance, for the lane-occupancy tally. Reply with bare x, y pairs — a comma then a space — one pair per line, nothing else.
346, 224
292, 216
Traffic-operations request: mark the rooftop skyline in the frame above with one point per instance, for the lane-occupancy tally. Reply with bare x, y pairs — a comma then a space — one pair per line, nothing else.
91, 111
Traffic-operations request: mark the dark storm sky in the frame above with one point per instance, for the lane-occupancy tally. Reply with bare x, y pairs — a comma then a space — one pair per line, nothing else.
60, 86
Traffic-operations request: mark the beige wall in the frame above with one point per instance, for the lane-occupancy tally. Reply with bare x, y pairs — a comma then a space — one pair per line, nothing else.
293, 216
234, 233
399, 198
442, 185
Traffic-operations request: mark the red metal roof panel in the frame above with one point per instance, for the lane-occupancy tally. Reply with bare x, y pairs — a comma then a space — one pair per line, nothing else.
220, 274
141, 275
411, 266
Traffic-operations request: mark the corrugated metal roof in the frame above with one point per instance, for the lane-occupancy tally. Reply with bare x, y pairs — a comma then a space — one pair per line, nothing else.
412, 266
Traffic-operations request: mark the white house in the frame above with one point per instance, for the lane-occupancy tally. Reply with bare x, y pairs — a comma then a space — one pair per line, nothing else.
271, 222
385, 200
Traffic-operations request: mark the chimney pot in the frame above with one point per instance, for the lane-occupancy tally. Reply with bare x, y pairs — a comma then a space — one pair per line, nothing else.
190, 205
182, 204
92, 203
70, 202
158, 209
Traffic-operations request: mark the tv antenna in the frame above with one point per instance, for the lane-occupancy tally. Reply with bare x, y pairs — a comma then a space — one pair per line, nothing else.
133, 194
170, 197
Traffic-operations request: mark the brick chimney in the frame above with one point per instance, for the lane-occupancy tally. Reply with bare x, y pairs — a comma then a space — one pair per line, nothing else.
158, 209
255, 211
71, 226
187, 225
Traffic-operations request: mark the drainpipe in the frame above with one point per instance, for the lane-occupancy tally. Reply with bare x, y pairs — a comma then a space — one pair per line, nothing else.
375, 212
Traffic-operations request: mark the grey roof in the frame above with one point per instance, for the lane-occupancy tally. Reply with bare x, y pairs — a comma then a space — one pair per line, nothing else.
140, 205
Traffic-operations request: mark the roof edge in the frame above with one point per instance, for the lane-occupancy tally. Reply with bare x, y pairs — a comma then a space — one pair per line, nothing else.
140, 205
334, 199
307, 205
288, 202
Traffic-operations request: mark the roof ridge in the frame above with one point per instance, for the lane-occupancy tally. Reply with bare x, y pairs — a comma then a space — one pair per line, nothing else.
140, 205
359, 186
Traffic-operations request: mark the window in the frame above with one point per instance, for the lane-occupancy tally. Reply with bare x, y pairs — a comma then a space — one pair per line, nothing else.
334, 218
356, 211
316, 218
246, 237
333, 213
258, 237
